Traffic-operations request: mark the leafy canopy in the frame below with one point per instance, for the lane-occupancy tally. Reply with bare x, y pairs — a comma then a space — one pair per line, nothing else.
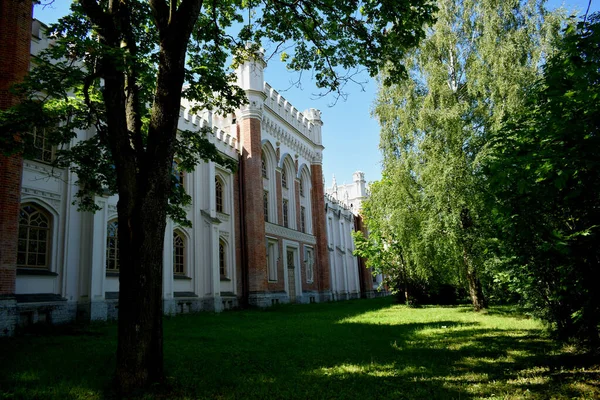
464, 78
66, 90
542, 173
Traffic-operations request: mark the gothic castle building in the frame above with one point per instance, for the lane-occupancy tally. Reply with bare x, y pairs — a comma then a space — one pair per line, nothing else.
267, 234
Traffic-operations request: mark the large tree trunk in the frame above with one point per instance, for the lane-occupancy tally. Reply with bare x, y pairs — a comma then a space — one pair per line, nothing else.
142, 223
143, 171
140, 339
475, 289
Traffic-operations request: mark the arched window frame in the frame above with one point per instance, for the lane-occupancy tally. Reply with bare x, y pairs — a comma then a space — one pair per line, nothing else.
33, 236
220, 195
266, 205
286, 212
284, 179
179, 253
288, 193
112, 245
223, 260
43, 150
305, 200
269, 183
264, 167
309, 263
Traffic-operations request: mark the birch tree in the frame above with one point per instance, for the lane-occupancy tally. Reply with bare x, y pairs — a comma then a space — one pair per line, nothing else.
464, 78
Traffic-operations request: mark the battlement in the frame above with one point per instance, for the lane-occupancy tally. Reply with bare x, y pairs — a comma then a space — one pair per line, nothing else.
307, 123
220, 127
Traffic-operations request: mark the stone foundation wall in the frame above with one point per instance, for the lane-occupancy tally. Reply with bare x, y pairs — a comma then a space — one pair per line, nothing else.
8, 316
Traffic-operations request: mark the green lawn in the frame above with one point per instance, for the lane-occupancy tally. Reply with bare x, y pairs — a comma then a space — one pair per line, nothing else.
363, 349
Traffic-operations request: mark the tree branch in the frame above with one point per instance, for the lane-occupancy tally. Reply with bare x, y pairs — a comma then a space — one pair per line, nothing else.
160, 11
95, 13
132, 91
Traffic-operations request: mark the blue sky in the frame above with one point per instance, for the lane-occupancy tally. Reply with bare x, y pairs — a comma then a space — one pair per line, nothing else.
350, 135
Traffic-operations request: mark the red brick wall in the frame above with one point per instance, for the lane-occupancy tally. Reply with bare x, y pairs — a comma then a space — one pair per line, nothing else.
319, 227
238, 235
253, 205
364, 274
15, 39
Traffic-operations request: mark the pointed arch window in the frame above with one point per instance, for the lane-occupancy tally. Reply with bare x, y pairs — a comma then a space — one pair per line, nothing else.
264, 167
43, 150
266, 205
219, 195
286, 211
309, 262
222, 259
178, 253
303, 219
35, 237
112, 246
284, 181
305, 202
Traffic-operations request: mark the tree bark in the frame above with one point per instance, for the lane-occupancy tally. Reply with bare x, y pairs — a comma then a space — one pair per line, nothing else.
140, 337
143, 175
475, 289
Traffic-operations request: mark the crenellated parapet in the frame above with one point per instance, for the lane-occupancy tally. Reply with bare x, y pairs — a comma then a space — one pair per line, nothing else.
220, 128
300, 131
306, 123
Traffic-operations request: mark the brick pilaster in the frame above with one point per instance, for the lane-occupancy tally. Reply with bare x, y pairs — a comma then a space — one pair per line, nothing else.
364, 274
254, 222
319, 228
15, 43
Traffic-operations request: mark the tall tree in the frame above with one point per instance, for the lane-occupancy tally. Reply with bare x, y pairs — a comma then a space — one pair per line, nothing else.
543, 175
463, 79
119, 66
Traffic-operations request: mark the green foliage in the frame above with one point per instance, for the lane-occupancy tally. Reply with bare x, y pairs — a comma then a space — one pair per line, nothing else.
66, 90
464, 78
542, 172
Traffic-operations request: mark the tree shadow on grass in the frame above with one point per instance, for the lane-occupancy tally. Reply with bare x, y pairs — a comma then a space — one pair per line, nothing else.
510, 311
318, 356
65, 362
343, 350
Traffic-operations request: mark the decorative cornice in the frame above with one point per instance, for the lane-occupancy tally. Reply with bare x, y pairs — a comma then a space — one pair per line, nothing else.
210, 219
291, 137
222, 216
43, 168
287, 233
254, 107
53, 198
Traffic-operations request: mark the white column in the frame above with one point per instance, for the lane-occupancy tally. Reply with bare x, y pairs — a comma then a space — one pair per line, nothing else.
168, 262
98, 261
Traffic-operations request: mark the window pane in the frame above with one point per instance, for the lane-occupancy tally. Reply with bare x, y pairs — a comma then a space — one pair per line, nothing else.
34, 237
112, 244
219, 195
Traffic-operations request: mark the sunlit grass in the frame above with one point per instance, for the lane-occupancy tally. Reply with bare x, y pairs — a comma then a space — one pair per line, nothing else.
357, 349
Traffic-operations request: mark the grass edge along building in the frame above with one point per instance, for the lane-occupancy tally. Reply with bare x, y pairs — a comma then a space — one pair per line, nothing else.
265, 235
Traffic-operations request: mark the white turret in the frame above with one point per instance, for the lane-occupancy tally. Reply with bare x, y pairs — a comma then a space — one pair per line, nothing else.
250, 77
